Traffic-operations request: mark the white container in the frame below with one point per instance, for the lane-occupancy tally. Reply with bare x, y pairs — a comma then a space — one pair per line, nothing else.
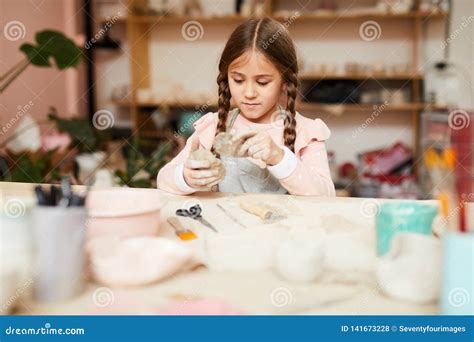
443, 85
15, 250
59, 235
89, 164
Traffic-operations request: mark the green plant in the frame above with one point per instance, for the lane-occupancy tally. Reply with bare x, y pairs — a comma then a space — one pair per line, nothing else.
137, 161
84, 136
29, 169
50, 45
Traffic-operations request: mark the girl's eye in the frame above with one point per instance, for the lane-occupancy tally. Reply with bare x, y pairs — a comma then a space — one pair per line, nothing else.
263, 83
238, 81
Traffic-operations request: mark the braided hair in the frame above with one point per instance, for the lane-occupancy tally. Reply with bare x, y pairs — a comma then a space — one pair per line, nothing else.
259, 34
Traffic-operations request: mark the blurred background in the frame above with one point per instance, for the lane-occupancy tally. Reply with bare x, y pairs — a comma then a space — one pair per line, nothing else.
107, 91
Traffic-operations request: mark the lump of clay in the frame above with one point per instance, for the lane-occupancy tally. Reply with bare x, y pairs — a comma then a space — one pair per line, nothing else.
203, 154
224, 145
136, 261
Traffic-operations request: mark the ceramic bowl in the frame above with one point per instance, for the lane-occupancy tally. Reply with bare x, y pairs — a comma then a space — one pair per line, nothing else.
123, 212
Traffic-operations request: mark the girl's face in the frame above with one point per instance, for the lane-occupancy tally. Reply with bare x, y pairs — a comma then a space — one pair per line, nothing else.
255, 85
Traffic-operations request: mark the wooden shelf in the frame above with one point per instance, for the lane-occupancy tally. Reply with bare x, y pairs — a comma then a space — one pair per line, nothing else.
140, 28
121, 103
399, 76
408, 107
120, 20
361, 16
155, 19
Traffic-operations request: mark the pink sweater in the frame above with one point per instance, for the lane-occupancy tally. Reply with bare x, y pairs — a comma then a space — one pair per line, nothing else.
305, 172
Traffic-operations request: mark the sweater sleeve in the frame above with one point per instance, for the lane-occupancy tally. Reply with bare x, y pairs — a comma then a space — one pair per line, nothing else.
306, 172
171, 178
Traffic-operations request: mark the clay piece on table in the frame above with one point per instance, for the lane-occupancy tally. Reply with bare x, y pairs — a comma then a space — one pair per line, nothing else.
136, 261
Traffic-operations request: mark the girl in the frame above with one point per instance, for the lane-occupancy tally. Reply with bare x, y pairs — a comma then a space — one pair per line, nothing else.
285, 152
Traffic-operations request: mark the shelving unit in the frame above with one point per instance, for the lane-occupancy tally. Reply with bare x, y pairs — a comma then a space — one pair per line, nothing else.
140, 29
361, 76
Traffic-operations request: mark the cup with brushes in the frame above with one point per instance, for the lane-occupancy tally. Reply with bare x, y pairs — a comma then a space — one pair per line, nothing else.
59, 227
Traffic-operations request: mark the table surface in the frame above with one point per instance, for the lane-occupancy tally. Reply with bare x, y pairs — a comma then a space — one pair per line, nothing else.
248, 291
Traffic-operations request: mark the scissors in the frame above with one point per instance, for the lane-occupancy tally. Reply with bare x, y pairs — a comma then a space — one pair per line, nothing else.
194, 212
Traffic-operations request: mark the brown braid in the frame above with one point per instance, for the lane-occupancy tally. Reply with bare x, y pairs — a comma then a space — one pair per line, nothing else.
223, 105
260, 34
289, 133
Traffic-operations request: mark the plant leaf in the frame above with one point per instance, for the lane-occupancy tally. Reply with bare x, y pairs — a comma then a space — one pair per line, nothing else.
80, 130
34, 55
55, 45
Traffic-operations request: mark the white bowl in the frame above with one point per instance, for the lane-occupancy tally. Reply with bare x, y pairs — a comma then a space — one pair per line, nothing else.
123, 212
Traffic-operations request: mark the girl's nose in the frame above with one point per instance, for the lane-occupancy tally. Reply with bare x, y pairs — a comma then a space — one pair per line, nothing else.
250, 90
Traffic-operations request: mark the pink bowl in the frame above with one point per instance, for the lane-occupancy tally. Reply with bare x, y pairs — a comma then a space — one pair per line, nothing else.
123, 212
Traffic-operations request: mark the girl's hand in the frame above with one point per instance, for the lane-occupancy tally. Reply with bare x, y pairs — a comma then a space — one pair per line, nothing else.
202, 174
259, 145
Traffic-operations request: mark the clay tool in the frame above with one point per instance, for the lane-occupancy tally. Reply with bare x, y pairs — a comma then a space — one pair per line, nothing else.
41, 196
66, 192
183, 233
264, 211
230, 216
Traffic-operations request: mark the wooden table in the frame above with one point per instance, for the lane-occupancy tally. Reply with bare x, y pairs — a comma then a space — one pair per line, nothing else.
249, 291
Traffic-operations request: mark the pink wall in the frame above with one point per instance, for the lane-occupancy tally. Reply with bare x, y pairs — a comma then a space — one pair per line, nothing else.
38, 88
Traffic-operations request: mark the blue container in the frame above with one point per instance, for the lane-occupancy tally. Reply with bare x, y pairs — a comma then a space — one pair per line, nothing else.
458, 274
397, 217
